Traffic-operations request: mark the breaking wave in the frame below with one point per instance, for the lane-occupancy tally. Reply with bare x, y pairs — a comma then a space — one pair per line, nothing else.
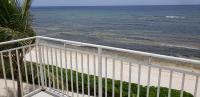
175, 17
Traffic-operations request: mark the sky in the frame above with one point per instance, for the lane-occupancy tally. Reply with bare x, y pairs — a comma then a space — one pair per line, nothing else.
111, 2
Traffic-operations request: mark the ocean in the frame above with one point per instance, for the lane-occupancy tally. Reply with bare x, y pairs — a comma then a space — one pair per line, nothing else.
168, 29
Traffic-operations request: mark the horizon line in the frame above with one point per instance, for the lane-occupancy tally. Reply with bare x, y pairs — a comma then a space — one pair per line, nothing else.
111, 5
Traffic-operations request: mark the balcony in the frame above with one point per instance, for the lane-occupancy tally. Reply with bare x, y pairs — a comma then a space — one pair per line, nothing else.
60, 68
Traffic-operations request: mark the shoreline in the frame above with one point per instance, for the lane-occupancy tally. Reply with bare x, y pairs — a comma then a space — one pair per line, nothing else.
163, 49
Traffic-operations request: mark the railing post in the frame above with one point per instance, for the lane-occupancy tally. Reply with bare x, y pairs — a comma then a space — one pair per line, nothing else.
149, 75
40, 62
100, 72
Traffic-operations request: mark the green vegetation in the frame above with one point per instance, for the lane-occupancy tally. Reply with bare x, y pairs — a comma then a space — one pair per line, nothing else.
15, 20
153, 90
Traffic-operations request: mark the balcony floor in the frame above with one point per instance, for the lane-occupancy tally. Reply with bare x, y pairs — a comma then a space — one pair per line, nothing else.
42, 94
45, 93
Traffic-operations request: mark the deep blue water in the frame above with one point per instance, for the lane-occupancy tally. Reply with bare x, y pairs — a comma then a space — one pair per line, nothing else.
171, 30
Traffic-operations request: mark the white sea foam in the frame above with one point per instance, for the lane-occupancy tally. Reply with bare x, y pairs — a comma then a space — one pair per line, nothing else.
175, 17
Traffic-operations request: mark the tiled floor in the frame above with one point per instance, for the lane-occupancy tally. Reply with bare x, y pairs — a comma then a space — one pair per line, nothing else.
42, 94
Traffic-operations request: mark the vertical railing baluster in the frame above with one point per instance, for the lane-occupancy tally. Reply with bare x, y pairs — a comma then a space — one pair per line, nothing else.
44, 66
66, 71
4, 73
139, 76
52, 68
196, 86
170, 83
19, 71
99, 72
56, 59
41, 66
77, 89
47, 54
72, 89
37, 65
61, 70
121, 78
12, 72
25, 65
32, 72
149, 76
88, 74
94, 75
82, 75
159, 79
106, 72
129, 84
113, 79
182, 84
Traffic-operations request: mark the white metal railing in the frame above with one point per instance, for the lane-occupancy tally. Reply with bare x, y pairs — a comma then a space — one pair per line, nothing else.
91, 70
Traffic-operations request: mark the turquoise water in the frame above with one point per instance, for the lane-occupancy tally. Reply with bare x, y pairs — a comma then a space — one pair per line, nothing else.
169, 30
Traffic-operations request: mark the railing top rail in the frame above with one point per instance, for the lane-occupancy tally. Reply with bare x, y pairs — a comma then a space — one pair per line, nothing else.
17, 40
124, 50
109, 48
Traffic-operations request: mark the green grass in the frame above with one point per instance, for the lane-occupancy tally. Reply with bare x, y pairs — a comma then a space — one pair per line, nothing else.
143, 89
